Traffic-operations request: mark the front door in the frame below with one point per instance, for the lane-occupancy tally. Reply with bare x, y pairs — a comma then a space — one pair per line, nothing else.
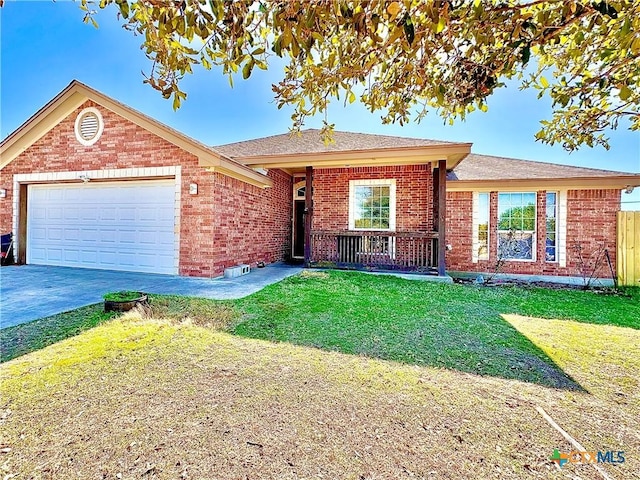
298, 229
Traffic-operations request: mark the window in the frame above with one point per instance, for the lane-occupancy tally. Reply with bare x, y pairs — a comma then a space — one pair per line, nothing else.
372, 204
516, 225
482, 223
551, 240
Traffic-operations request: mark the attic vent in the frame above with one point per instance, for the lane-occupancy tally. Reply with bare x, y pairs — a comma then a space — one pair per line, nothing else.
89, 126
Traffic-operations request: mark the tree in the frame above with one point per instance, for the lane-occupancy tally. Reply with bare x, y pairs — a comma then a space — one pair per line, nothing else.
403, 58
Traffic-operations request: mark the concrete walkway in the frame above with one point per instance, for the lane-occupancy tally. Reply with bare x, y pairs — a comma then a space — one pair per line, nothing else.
29, 292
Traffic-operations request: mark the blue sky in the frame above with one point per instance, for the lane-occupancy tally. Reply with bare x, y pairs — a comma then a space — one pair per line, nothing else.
45, 45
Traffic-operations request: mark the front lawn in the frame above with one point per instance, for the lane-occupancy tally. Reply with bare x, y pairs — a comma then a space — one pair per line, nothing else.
424, 323
28, 337
363, 377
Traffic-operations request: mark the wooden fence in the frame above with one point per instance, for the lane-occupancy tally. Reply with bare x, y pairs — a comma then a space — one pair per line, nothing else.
628, 251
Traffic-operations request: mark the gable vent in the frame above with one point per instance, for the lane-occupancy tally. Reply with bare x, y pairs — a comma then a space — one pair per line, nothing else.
89, 126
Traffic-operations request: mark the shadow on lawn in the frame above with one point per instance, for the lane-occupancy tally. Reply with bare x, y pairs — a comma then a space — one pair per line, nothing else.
414, 327
445, 347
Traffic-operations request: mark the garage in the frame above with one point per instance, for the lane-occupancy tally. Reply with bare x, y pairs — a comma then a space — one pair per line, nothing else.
125, 225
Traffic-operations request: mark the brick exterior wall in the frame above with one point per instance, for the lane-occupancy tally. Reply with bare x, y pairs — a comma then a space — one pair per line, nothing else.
204, 249
591, 223
252, 224
414, 192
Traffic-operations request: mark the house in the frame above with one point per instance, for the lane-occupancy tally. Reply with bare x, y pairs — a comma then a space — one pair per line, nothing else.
90, 182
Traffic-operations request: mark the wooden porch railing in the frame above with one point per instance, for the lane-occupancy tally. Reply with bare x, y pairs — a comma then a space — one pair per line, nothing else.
373, 250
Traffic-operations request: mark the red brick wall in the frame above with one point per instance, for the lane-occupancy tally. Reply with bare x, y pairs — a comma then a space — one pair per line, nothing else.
124, 145
413, 196
459, 234
591, 222
254, 224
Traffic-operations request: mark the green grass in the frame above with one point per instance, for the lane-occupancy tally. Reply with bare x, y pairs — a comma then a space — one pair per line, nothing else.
453, 326
124, 296
28, 337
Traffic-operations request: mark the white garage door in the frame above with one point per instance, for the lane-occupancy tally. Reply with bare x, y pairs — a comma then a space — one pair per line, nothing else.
115, 226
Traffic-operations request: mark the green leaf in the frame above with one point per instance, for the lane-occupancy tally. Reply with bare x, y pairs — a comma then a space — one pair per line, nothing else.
526, 55
625, 93
442, 22
409, 31
124, 9
246, 70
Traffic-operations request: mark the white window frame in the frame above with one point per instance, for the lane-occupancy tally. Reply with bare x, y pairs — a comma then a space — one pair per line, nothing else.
475, 254
557, 230
534, 232
562, 228
391, 183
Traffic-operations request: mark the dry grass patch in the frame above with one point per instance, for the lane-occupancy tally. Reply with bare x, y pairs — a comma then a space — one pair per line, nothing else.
140, 398
198, 311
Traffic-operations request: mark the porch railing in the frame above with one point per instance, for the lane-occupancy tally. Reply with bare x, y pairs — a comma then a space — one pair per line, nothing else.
400, 251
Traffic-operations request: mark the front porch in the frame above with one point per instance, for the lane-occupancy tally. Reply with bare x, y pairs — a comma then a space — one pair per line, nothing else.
361, 201
395, 222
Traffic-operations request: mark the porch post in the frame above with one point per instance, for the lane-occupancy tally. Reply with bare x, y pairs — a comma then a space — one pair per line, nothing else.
442, 215
308, 214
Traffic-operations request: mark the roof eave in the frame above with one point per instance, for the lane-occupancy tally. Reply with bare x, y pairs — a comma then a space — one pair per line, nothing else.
618, 182
40, 123
248, 175
453, 153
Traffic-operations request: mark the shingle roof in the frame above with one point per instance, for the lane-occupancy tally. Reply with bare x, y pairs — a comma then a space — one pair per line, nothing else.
476, 167
309, 141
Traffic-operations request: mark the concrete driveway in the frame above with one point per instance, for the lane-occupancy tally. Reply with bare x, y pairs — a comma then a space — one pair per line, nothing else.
29, 292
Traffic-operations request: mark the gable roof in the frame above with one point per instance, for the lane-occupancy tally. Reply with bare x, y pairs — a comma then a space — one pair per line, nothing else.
479, 170
76, 94
296, 150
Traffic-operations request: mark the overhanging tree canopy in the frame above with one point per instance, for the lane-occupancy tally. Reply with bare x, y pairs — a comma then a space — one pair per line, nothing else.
405, 57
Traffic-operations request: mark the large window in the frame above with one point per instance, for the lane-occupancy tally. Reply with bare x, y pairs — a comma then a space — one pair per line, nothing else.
372, 205
551, 240
482, 219
516, 225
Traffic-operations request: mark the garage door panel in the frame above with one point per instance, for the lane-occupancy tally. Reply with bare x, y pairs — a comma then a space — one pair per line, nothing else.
126, 214
54, 213
117, 225
88, 213
54, 254
71, 256
108, 214
72, 235
54, 235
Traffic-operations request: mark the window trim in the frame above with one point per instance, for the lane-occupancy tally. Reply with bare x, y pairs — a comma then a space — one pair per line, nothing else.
534, 232
388, 182
557, 229
475, 243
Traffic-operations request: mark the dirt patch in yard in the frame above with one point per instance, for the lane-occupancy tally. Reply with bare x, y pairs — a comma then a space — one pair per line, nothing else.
139, 398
